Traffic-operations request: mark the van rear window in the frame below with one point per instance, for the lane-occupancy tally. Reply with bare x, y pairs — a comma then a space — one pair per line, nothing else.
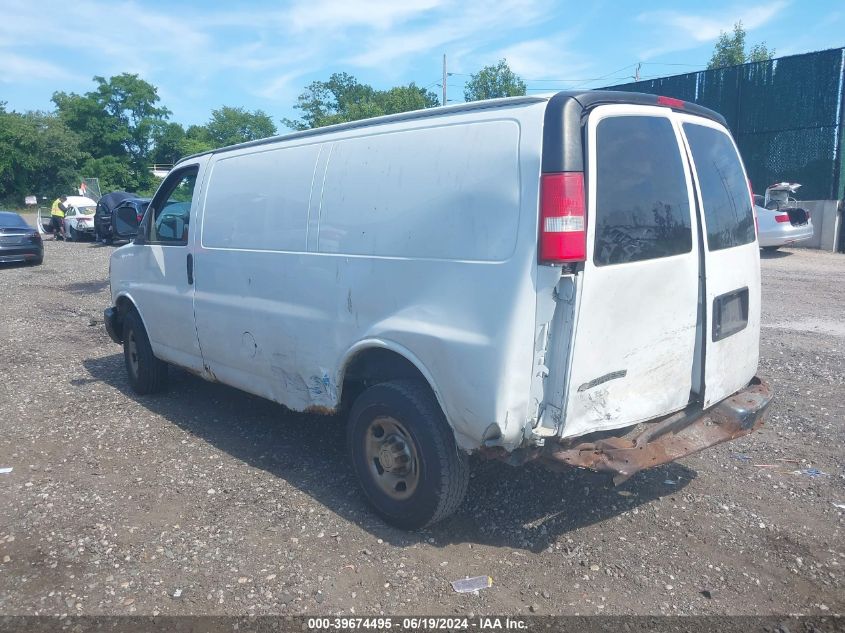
642, 202
724, 190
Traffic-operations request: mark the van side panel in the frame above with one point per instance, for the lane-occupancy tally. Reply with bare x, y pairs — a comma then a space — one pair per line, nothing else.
455, 245
426, 232
256, 204
447, 192
259, 201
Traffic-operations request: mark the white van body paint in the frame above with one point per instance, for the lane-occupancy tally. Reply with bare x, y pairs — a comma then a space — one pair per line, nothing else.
420, 236
635, 335
731, 362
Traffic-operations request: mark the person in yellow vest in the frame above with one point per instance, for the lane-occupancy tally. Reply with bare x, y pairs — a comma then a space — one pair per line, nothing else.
57, 216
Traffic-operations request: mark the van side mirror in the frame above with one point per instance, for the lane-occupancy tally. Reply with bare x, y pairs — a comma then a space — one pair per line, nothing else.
126, 223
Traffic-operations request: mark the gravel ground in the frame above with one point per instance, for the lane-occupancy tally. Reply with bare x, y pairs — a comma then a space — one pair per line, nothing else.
208, 500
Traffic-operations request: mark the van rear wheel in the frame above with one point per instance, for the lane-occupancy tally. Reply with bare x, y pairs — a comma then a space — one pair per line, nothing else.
405, 456
147, 374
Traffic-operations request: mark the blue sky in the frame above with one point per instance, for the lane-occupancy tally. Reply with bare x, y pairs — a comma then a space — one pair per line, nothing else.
202, 55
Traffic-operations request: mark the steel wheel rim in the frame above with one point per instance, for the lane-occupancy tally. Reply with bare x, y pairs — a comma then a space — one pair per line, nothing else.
392, 458
132, 347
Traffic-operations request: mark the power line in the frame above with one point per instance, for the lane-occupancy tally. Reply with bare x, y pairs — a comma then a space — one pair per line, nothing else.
607, 75
585, 80
671, 64
560, 80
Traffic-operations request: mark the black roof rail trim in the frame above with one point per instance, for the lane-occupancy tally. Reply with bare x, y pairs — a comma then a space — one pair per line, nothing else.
562, 134
563, 140
382, 120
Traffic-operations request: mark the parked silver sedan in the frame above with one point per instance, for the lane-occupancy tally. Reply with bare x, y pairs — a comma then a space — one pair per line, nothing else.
780, 218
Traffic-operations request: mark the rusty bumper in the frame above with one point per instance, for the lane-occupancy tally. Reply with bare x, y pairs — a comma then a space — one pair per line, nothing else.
677, 436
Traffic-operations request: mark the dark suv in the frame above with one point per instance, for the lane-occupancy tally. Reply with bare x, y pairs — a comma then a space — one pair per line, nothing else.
107, 208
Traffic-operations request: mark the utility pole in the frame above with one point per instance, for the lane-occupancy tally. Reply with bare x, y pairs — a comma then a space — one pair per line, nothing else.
637, 72
445, 77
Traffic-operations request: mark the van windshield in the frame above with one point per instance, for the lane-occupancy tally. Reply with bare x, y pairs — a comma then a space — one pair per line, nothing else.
724, 190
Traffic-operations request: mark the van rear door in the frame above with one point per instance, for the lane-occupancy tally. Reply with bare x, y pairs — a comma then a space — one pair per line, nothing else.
731, 260
634, 349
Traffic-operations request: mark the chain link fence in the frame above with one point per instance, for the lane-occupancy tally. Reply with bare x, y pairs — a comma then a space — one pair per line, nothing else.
786, 115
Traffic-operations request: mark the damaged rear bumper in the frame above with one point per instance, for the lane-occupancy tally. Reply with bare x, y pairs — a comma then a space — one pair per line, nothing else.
656, 443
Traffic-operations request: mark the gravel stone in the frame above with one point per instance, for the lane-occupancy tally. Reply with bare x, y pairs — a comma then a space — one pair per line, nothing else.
107, 509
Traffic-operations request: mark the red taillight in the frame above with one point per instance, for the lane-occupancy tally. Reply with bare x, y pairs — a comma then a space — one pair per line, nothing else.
671, 102
563, 218
139, 216
782, 218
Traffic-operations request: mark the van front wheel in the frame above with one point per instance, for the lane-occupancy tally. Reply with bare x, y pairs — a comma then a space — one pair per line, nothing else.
405, 456
147, 374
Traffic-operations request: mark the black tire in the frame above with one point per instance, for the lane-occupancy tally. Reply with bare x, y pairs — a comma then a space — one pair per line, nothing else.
72, 235
442, 469
147, 374
770, 249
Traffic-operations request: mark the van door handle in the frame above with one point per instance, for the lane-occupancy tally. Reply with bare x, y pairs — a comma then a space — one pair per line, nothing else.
190, 269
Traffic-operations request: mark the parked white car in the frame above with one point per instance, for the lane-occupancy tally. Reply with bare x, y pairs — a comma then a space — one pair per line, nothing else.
79, 218
781, 219
573, 279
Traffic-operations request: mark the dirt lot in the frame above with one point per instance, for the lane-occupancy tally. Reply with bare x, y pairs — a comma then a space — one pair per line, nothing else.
207, 500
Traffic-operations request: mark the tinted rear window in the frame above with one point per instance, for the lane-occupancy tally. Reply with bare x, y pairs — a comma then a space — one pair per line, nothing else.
642, 204
724, 190
12, 220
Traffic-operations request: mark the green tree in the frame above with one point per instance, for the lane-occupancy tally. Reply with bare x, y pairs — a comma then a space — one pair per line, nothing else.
115, 172
492, 82
759, 53
39, 155
406, 99
116, 120
196, 140
730, 50
131, 101
98, 133
343, 98
229, 126
168, 140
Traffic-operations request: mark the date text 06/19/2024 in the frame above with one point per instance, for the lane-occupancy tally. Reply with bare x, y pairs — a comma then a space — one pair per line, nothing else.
480, 623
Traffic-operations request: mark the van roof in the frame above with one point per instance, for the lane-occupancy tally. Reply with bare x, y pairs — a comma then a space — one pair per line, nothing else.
567, 103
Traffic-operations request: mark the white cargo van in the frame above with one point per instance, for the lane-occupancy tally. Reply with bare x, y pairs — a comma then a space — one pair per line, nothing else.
572, 279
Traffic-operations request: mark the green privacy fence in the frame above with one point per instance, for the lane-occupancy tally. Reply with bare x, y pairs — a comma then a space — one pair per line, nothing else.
786, 115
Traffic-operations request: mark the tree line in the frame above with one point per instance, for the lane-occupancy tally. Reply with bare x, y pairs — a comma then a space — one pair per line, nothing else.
118, 130
115, 132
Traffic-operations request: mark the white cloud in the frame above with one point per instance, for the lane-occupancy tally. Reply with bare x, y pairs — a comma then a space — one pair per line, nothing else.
682, 31
545, 58
267, 52
17, 68
323, 15
282, 88
472, 22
